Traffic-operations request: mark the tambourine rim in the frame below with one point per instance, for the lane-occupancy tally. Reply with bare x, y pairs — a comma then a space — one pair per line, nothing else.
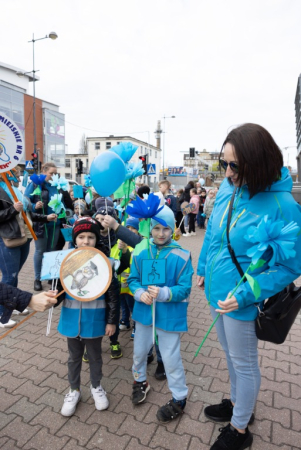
106, 259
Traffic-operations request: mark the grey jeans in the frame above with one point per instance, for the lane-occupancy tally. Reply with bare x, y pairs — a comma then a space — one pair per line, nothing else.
76, 348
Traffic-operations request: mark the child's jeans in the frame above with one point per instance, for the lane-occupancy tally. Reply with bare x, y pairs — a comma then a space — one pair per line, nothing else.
76, 347
169, 344
127, 306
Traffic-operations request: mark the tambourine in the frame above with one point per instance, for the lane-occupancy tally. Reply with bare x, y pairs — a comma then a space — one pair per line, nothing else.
85, 274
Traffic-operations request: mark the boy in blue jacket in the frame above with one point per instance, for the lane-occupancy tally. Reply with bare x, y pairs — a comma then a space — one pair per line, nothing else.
85, 323
171, 302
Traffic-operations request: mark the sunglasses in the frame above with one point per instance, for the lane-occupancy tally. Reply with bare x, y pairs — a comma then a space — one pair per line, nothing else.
233, 166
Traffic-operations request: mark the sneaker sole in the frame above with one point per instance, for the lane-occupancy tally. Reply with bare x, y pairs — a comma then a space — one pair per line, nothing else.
116, 357
142, 400
226, 419
163, 419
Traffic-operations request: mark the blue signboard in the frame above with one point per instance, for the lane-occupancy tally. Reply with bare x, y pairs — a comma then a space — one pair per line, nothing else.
151, 169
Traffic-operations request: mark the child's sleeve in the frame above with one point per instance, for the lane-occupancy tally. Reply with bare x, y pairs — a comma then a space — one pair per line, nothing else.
134, 280
182, 288
112, 301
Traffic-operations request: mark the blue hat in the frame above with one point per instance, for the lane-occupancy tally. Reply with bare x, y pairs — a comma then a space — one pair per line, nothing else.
167, 215
132, 222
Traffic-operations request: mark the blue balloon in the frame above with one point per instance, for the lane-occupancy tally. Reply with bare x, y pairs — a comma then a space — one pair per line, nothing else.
107, 173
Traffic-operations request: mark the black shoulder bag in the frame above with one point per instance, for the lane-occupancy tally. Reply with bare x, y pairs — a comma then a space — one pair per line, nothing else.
279, 311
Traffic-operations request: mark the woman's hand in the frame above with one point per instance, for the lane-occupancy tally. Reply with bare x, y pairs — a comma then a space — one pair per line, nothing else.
18, 206
110, 329
200, 282
44, 300
110, 222
146, 298
52, 217
229, 305
153, 291
122, 246
39, 205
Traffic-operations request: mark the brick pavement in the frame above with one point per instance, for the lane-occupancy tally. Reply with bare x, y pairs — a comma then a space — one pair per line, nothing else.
33, 380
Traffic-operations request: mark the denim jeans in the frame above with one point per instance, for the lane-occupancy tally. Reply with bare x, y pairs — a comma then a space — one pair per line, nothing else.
127, 306
169, 344
43, 245
11, 262
239, 342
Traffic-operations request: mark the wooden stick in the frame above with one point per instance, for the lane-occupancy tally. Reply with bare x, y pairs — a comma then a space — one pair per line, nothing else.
18, 324
60, 293
4, 176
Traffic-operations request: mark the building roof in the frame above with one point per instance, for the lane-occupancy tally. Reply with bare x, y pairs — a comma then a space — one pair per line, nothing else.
17, 69
106, 138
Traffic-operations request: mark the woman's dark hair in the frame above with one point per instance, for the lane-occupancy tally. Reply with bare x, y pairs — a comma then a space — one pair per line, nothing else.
143, 190
258, 157
191, 183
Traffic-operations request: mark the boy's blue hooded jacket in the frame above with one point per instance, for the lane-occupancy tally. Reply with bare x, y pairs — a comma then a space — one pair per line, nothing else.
171, 315
215, 263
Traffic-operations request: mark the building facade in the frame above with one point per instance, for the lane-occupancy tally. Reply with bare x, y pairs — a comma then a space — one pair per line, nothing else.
17, 103
96, 145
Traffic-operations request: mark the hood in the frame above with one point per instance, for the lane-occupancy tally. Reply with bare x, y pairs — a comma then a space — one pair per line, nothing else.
172, 244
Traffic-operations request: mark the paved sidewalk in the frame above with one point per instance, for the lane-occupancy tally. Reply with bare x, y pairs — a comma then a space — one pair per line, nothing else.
33, 381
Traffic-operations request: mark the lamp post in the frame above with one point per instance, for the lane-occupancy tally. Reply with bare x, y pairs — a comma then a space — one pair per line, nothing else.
163, 152
52, 35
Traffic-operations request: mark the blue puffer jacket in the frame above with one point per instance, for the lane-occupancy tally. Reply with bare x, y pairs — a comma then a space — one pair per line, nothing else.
215, 263
171, 315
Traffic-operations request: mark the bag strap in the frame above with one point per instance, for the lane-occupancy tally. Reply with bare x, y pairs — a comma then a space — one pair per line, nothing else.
231, 251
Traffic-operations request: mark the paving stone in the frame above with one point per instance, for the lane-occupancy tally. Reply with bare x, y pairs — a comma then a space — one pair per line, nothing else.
195, 428
285, 436
51, 398
77, 430
37, 376
49, 419
135, 444
11, 383
169, 441
8, 444
7, 399
281, 401
273, 414
19, 431
45, 441
5, 419
55, 382
138, 429
296, 421
26, 409
111, 420
196, 444
103, 440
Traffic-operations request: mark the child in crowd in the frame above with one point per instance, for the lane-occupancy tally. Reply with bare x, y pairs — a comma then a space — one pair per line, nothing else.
126, 297
85, 323
109, 239
209, 203
79, 207
195, 199
200, 217
166, 196
170, 301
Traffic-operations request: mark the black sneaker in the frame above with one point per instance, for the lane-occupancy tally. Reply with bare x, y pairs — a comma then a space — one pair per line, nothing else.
140, 389
37, 286
160, 372
171, 410
222, 412
85, 357
115, 350
231, 439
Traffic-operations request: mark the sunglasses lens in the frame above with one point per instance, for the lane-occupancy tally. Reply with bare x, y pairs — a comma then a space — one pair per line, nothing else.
223, 164
234, 167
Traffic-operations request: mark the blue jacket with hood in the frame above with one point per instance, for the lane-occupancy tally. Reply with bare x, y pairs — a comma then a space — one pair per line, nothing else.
171, 315
215, 263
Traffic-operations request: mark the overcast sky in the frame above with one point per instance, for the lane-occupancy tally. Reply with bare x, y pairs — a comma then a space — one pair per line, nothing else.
119, 66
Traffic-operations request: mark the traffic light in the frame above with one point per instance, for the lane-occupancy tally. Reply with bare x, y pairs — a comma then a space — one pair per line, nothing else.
34, 161
143, 158
79, 165
192, 152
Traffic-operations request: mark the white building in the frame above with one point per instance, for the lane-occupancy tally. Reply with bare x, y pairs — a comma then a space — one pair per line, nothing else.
97, 145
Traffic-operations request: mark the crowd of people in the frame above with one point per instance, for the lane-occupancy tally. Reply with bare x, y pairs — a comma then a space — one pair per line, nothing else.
256, 185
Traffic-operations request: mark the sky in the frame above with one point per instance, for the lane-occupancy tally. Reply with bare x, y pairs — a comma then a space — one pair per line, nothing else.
119, 66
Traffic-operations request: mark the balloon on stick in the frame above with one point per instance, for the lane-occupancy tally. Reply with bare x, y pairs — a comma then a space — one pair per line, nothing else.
107, 173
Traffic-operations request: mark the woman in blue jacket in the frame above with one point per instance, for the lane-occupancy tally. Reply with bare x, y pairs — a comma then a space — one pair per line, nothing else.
254, 169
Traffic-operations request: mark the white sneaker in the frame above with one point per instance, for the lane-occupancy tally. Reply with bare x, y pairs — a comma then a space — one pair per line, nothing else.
18, 313
186, 234
100, 398
9, 324
193, 233
70, 402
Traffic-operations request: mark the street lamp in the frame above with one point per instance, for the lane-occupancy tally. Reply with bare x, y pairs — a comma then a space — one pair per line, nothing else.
163, 152
52, 35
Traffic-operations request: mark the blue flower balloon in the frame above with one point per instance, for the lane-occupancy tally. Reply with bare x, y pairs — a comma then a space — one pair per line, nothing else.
87, 181
59, 182
107, 173
146, 209
281, 239
125, 150
38, 179
134, 170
